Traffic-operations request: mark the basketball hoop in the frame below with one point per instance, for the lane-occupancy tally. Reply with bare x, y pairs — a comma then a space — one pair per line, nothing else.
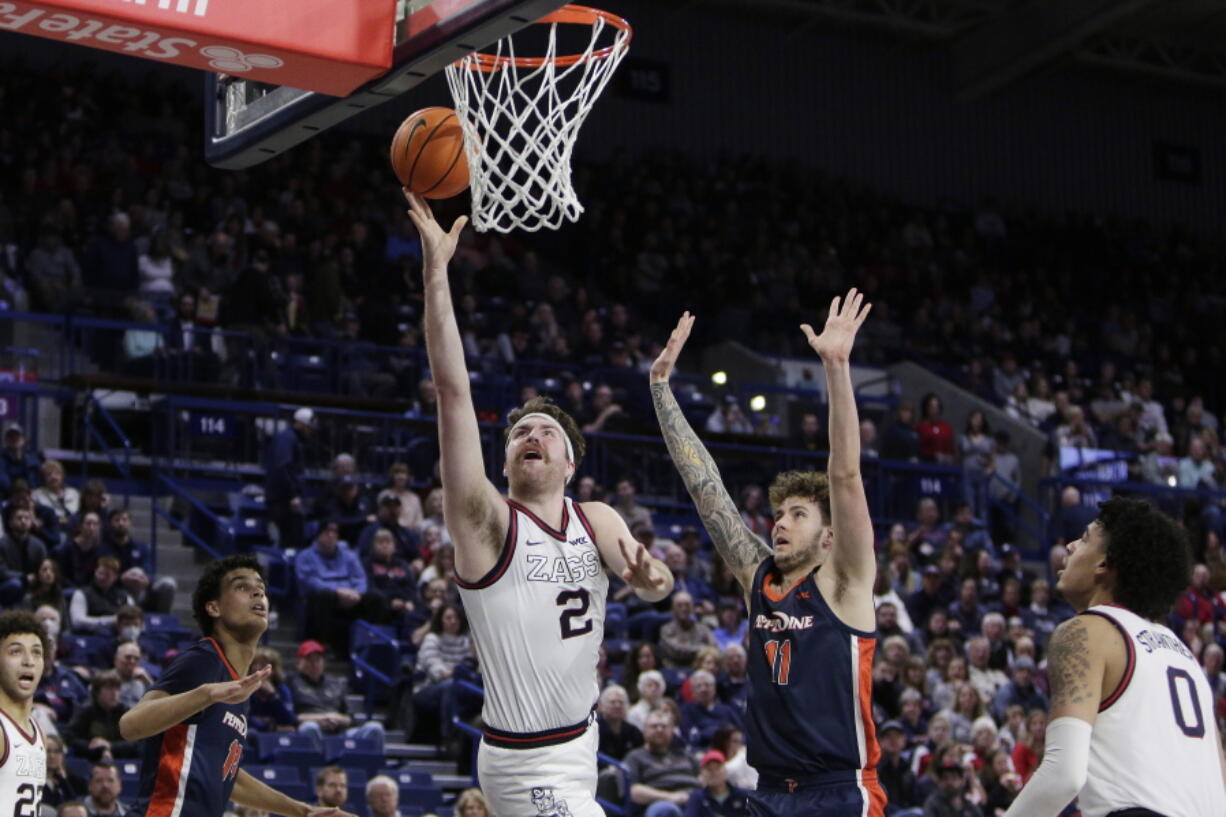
521, 116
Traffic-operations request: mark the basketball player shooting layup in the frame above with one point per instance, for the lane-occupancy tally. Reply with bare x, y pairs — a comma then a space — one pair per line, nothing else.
531, 572
23, 752
812, 624
194, 719
1132, 731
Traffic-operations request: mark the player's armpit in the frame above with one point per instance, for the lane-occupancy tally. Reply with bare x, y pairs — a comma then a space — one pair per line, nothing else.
1076, 663
733, 540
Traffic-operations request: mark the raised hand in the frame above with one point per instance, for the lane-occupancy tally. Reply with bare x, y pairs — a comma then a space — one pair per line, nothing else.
235, 692
437, 245
846, 315
663, 365
638, 573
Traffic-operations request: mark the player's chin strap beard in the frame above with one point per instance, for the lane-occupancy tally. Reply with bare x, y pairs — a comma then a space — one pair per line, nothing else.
537, 415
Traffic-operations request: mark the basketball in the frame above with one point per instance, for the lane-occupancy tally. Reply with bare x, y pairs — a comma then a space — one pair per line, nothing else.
428, 154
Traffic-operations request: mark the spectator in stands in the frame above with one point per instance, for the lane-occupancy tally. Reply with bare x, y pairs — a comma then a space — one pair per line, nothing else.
47, 589
62, 786
754, 512
986, 679
1004, 491
1199, 602
272, 704
61, 687
400, 478
319, 700
53, 274
45, 525
1029, 749
927, 537
1020, 690
472, 803
661, 776
729, 418
21, 554
1158, 465
383, 796
331, 787
701, 716
16, 461
717, 797
950, 798
900, 439
730, 742
1073, 516
347, 507
94, 606
284, 488
95, 727
894, 768
111, 261
1001, 783
387, 518
930, 597
134, 679
683, 635
1196, 470
1076, 432
55, 494
392, 577
94, 499
809, 435
685, 579
447, 653
732, 624
331, 578
967, 611
79, 556
617, 735
650, 687
433, 519
627, 507
936, 435
104, 789
441, 566
975, 448
154, 595
733, 682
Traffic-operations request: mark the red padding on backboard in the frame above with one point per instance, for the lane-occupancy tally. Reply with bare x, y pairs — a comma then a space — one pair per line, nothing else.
330, 46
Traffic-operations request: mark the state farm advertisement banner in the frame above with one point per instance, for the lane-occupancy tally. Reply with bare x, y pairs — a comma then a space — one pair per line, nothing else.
318, 45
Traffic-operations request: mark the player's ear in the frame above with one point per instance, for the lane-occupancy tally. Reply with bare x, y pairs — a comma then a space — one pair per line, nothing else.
213, 608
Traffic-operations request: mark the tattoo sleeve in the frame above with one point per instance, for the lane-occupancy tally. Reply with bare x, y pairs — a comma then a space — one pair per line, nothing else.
735, 543
1068, 665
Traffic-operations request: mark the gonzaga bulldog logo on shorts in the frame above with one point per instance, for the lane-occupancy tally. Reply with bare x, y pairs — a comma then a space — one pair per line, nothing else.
546, 804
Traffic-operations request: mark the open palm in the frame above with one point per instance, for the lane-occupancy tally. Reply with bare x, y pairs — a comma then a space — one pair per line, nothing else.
663, 365
438, 245
837, 337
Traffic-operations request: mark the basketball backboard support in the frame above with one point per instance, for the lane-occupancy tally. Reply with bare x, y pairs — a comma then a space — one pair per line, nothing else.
249, 122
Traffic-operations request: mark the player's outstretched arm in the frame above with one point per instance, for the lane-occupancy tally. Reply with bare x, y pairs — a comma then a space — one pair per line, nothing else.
254, 793
1076, 663
648, 577
472, 506
734, 541
852, 557
159, 710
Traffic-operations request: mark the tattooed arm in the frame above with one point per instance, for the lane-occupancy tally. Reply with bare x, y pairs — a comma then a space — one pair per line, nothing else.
735, 543
1084, 663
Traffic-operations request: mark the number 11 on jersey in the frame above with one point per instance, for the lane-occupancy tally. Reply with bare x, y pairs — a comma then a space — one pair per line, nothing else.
779, 656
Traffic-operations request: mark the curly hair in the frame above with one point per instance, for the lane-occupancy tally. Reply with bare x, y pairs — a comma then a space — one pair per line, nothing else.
209, 587
544, 405
1149, 554
811, 485
23, 622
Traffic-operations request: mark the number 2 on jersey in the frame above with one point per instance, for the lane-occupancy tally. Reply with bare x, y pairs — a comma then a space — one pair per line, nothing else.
567, 622
779, 656
27, 800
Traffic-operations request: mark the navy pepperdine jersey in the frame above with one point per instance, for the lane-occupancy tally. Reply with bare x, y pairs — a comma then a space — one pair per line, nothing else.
810, 685
189, 770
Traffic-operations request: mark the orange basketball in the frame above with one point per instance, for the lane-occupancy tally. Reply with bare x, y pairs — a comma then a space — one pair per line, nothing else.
428, 154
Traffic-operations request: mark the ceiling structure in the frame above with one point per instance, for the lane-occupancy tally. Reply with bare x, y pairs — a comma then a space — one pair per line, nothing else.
995, 42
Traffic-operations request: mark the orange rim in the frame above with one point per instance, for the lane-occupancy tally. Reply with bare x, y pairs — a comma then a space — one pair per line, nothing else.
579, 15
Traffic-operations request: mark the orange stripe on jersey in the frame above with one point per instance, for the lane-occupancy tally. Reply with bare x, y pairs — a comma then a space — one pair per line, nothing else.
866, 646
233, 674
775, 595
877, 798
170, 767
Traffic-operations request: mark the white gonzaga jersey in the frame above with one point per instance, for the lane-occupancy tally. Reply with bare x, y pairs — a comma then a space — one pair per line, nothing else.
1155, 741
23, 768
538, 620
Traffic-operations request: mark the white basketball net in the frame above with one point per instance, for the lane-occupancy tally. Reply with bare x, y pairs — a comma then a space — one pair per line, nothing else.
520, 125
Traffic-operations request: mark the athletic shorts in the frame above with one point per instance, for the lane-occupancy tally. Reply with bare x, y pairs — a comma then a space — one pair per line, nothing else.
838, 796
548, 781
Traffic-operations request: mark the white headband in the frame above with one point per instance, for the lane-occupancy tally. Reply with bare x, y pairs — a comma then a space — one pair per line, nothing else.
570, 450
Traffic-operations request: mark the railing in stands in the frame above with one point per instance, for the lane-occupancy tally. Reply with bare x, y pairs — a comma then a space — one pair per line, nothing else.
366, 639
1171, 499
222, 528
92, 433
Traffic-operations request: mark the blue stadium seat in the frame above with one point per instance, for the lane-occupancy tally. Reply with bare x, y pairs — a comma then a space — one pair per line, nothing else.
353, 753
87, 649
77, 766
128, 769
275, 776
129, 789
302, 758
407, 777
425, 797
158, 622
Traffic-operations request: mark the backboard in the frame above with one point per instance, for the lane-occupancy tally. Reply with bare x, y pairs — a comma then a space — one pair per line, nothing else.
248, 122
